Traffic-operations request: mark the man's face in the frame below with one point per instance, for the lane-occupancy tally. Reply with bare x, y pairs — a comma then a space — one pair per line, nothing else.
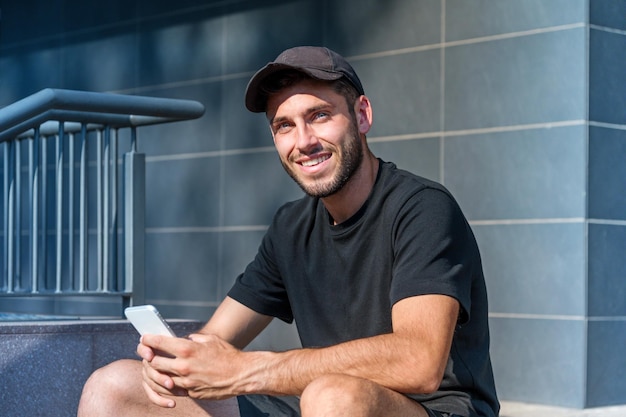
316, 136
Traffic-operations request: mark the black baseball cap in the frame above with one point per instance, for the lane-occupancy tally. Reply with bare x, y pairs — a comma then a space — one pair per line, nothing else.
315, 61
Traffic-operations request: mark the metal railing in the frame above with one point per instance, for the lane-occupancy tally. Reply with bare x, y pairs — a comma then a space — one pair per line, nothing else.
73, 218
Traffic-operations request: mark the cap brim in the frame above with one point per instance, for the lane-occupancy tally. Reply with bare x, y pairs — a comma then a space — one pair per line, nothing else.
256, 99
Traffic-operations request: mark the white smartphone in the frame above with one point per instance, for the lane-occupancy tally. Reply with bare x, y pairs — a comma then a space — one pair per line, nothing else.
147, 320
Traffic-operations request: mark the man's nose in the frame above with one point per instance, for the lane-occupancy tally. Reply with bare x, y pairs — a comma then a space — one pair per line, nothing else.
307, 140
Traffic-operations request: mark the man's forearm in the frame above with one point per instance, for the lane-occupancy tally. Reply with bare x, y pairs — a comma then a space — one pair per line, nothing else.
389, 360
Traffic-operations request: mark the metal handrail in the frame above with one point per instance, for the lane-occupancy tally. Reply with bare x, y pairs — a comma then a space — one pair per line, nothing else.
117, 110
54, 116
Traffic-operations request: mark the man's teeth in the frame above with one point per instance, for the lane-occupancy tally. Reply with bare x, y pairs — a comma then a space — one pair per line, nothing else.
315, 161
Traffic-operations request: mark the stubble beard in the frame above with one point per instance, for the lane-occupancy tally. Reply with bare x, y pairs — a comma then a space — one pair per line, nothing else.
350, 158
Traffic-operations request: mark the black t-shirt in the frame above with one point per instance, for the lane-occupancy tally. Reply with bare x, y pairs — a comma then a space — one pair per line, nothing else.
339, 282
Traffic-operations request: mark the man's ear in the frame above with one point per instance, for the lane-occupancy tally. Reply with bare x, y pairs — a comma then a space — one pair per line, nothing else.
364, 116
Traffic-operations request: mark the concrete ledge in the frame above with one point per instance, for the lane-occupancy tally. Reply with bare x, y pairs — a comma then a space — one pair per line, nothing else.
45, 364
518, 409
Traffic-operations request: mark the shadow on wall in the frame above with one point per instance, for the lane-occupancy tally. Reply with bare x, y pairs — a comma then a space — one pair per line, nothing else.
110, 46
31, 25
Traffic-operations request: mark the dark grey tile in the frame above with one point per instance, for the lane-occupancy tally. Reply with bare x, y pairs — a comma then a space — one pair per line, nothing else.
174, 53
608, 13
242, 129
530, 79
183, 193
394, 24
101, 64
11, 90
81, 16
182, 266
534, 268
607, 269
419, 156
607, 64
152, 8
478, 18
404, 90
199, 135
537, 173
43, 21
607, 173
539, 360
606, 363
181, 309
278, 336
256, 35
237, 250
32, 71
255, 186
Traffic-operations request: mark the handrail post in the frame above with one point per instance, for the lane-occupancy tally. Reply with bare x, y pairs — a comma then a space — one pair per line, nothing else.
134, 222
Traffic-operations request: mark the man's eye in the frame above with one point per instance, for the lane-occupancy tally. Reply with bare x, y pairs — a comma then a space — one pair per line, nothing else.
282, 127
321, 115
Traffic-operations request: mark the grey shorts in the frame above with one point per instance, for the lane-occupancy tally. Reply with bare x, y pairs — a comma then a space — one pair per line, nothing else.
268, 406
433, 413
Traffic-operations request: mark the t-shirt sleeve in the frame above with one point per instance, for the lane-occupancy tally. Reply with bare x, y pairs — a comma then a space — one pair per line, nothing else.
434, 250
260, 287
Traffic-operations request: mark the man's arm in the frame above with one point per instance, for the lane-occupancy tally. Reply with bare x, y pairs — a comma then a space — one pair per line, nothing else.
411, 359
235, 323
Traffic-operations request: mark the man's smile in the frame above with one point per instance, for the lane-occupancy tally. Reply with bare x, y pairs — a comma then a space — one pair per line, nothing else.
314, 161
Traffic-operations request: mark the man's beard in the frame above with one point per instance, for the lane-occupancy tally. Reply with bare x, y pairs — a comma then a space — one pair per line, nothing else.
351, 156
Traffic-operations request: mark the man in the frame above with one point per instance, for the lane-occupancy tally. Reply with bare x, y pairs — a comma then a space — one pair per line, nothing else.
378, 268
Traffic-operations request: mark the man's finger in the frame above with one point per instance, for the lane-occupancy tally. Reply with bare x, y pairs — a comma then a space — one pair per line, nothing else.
158, 399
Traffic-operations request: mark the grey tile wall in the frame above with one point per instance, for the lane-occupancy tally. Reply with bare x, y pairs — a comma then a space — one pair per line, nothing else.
405, 92
606, 362
607, 173
415, 155
607, 271
607, 205
524, 174
481, 18
254, 189
180, 266
199, 137
608, 13
606, 76
536, 269
516, 81
256, 34
183, 193
358, 27
517, 107
543, 359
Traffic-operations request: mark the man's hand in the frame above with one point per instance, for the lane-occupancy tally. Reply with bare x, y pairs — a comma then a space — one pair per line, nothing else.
201, 367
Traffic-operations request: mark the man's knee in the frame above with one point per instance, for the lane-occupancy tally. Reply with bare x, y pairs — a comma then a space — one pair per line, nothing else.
335, 393
117, 376
343, 395
110, 386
